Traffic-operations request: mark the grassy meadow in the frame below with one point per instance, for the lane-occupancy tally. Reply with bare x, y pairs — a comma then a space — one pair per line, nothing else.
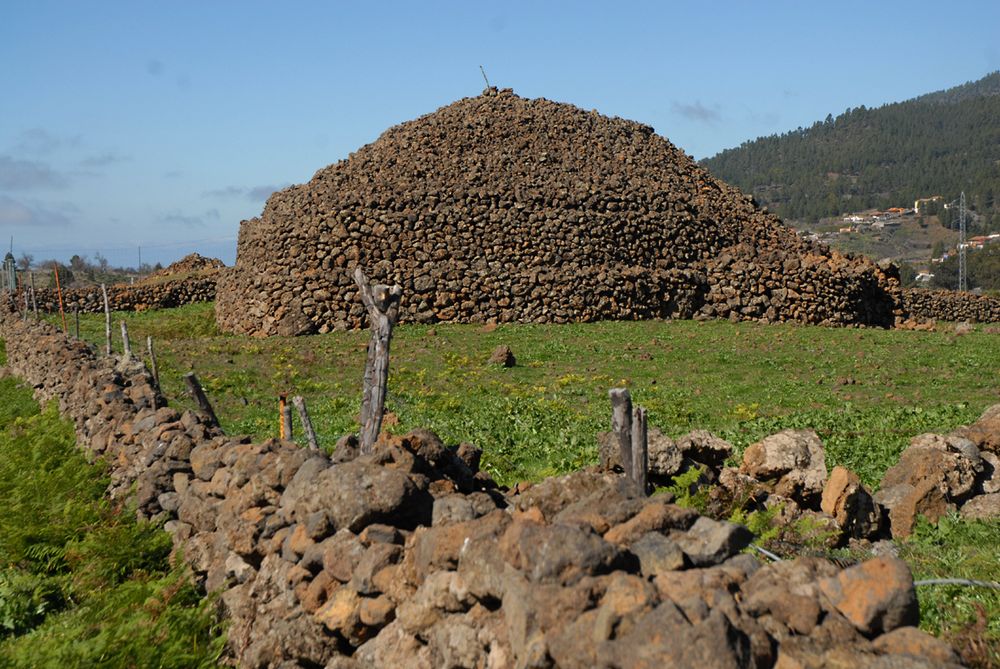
865, 391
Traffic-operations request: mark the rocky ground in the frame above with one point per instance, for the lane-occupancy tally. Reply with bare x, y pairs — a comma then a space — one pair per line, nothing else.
935, 475
411, 556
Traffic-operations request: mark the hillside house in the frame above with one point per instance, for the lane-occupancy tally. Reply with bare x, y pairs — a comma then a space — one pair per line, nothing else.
883, 224
925, 200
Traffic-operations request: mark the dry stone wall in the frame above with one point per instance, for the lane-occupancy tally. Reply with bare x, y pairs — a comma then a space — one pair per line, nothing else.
411, 557
500, 208
191, 279
139, 297
947, 305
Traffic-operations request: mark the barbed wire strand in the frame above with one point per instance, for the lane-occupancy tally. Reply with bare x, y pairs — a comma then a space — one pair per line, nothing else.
958, 581
965, 582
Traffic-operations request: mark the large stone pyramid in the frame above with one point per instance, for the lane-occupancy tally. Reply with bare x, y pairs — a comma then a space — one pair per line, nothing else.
503, 208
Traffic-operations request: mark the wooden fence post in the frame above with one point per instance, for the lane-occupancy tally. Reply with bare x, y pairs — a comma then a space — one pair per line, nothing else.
382, 303
621, 425
640, 448
307, 426
62, 312
107, 320
630, 427
34, 302
152, 362
199, 395
285, 417
76, 320
126, 345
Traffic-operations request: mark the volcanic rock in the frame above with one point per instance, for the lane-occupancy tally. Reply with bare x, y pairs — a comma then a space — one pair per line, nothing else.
500, 209
850, 504
985, 432
876, 596
503, 356
705, 448
952, 463
982, 507
791, 463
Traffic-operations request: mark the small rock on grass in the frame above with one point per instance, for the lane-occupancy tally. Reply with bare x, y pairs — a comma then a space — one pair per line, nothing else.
503, 356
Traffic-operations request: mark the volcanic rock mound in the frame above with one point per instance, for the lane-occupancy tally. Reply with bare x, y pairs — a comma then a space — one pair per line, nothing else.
189, 264
509, 209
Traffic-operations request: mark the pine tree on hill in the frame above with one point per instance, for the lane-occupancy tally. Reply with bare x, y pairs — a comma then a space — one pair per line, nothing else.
938, 144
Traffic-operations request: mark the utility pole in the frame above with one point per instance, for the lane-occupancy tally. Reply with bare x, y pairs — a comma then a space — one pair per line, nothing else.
962, 280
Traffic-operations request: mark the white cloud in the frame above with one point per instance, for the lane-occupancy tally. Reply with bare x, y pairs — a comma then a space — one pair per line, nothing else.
20, 214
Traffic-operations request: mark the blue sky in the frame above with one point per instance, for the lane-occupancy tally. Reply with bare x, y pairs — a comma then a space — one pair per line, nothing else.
163, 124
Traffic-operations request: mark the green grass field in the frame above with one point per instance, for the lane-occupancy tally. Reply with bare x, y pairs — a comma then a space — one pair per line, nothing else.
865, 391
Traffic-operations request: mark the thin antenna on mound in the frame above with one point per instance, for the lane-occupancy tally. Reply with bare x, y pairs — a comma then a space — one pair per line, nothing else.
484, 77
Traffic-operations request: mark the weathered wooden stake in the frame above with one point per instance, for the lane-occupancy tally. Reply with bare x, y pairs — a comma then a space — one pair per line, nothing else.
152, 361
285, 421
307, 426
640, 448
107, 321
62, 312
630, 427
621, 425
199, 395
26, 305
76, 321
34, 303
126, 345
382, 303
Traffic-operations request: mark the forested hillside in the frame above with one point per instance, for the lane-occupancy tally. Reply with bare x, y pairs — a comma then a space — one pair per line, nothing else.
938, 144
983, 270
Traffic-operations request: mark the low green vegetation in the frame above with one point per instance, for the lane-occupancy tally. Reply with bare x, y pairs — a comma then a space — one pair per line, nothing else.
969, 617
82, 584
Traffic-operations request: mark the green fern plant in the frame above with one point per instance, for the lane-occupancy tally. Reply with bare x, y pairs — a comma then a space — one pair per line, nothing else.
688, 489
83, 584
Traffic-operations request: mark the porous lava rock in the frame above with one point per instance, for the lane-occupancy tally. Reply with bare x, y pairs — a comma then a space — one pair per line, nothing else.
498, 208
791, 463
191, 263
949, 305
